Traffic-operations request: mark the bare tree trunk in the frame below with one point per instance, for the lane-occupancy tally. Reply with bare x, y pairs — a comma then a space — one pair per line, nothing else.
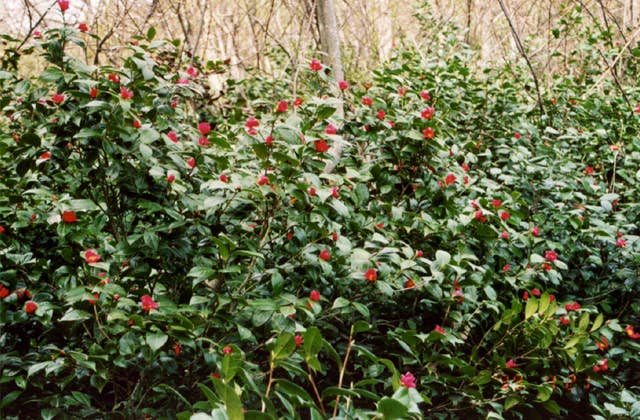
330, 46
385, 31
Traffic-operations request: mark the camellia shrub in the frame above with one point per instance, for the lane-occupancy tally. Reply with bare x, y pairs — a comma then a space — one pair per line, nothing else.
165, 255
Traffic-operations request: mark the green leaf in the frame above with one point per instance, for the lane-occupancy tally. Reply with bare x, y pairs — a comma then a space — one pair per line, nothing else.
544, 393
597, 323
584, 322
75, 315
544, 303
531, 308
231, 400
151, 33
9, 398
156, 340
312, 342
392, 409
290, 388
442, 259
510, 403
285, 345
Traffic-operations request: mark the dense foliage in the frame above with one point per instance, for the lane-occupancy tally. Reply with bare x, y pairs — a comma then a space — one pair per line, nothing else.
167, 254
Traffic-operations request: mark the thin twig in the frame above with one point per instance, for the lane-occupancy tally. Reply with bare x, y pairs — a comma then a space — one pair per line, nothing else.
524, 54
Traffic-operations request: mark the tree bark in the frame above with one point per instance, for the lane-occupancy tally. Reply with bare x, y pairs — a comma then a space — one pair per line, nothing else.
330, 46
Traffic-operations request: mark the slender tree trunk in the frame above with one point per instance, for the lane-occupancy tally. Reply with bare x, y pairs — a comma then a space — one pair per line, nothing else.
385, 30
330, 46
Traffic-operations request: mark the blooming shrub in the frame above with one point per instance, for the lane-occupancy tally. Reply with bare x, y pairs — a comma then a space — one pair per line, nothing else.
169, 256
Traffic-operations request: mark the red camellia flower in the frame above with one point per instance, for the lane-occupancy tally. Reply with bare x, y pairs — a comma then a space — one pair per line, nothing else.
191, 162
409, 284
57, 98
602, 366
505, 216
227, 350
205, 128
525, 295
93, 92
182, 81
621, 243
402, 91
439, 330
148, 303
450, 179
137, 124
297, 102
314, 295
312, 192
535, 231
93, 301
408, 380
506, 268
114, 78
381, 114
4, 292
343, 85
589, 170
371, 275
262, 180
465, 167
315, 65
425, 95
551, 255
631, 333
171, 178
331, 129
321, 146
517, 135
367, 101
91, 256
511, 364
177, 348
334, 236
69, 217
603, 343
427, 113
479, 216
193, 73
335, 193
64, 5
282, 106
574, 306
30, 307
564, 320
2, 229
419, 253
535, 292
224, 178
172, 136
496, 203
37, 34
298, 339
324, 255
428, 133
252, 122
125, 93
83, 27
546, 266
203, 141
504, 235
45, 156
